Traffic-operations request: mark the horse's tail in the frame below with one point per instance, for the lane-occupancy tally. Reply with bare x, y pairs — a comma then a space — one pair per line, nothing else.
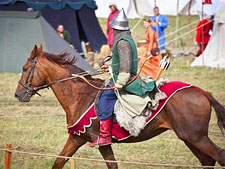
219, 109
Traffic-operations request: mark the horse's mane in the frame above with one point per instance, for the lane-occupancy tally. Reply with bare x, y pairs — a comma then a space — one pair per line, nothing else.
67, 60
62, 58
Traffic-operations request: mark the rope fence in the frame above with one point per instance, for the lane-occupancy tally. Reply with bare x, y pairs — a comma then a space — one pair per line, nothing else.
9, 149
184, 34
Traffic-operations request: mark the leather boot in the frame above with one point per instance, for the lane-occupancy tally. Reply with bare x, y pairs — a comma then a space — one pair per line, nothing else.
105, 136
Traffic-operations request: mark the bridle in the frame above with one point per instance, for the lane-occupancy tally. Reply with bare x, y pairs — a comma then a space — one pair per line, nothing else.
30, 91
34, 90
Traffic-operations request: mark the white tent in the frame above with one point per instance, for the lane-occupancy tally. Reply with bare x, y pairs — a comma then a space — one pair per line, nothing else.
138, 8
214, 54
191, 8
169, 7
132, 8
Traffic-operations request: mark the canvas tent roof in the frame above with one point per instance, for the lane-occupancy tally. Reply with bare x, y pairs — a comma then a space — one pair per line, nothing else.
132, 8
214, 54
20, 31
189, 8
72, 14
167, 7
54, 4
196, 7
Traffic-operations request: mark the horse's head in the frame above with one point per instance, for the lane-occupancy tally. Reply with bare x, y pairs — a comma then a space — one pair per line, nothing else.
30, 78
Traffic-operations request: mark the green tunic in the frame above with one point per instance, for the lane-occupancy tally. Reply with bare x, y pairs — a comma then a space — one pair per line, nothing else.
137, 87
67, 36
116, 58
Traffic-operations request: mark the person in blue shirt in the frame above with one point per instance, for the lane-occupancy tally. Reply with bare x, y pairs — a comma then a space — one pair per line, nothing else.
159, 24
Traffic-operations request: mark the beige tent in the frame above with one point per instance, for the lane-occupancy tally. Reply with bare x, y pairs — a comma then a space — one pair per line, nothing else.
133, 8
214, 54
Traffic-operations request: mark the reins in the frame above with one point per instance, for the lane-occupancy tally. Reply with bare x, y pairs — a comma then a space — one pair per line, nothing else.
112, 88
74, 76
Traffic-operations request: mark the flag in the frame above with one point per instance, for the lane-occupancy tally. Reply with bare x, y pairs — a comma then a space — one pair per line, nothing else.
207, 2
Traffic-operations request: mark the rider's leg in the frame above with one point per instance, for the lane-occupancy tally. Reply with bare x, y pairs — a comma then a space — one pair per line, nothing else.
106, 107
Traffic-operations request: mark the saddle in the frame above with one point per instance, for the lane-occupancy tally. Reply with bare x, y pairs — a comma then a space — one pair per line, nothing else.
133, 123
120, 132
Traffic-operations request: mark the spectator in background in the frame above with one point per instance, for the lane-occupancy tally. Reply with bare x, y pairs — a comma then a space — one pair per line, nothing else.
64, 33
203, 33
159, 24
151, 66
30, 10
114, 12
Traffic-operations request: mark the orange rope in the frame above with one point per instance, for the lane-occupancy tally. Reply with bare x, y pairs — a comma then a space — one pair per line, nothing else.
109, 161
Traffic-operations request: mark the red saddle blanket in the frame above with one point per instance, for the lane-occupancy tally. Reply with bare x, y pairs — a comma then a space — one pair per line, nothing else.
118, 132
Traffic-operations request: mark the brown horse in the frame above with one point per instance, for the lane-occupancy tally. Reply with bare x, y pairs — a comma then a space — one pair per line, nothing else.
187, 113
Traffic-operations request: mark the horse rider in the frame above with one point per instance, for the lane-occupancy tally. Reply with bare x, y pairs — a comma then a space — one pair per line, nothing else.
124, 64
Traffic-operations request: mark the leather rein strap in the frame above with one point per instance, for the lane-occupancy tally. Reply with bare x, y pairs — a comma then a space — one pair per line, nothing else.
112, 88
81, 75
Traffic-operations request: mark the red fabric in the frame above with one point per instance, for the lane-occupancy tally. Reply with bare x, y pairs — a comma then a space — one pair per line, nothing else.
207, 2
202, 35
83, 122
109, 28
118, 132
201, 49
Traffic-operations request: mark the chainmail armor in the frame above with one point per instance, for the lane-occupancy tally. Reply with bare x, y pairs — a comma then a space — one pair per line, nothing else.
124, 50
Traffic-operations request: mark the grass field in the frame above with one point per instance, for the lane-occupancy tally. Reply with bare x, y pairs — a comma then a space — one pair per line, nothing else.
48, 134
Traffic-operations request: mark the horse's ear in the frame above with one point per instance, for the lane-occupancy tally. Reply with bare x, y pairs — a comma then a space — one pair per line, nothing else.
34, 52
40, 49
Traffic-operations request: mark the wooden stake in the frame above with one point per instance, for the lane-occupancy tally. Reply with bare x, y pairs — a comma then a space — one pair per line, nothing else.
8, 156
72, 163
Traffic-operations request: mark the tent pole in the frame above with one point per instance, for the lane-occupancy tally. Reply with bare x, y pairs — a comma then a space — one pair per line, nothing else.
201, 46
177, 23
157, 26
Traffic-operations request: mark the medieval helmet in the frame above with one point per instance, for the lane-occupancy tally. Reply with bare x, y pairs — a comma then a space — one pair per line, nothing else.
120, 22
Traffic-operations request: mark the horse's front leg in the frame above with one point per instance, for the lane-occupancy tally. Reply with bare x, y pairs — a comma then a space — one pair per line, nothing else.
108, 154
72, 145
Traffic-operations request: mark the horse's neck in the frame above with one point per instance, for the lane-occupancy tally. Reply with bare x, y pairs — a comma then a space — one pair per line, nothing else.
75, 96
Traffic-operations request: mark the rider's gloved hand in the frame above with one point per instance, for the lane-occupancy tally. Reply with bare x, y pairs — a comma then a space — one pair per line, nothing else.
118, 86
105, 68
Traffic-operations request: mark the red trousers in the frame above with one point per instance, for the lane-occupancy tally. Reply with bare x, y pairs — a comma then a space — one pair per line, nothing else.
201, 49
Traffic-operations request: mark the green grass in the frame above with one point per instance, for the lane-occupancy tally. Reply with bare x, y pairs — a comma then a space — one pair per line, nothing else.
48, 134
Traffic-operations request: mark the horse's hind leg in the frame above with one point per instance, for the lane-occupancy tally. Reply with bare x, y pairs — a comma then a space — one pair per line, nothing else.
203, 158
190, 120
206, 146
72, 145
108, 154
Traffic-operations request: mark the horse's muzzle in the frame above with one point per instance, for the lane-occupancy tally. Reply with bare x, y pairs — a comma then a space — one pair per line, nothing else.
23, 95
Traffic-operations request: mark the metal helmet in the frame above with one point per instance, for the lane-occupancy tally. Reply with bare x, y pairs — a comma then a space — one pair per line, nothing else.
120, 22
